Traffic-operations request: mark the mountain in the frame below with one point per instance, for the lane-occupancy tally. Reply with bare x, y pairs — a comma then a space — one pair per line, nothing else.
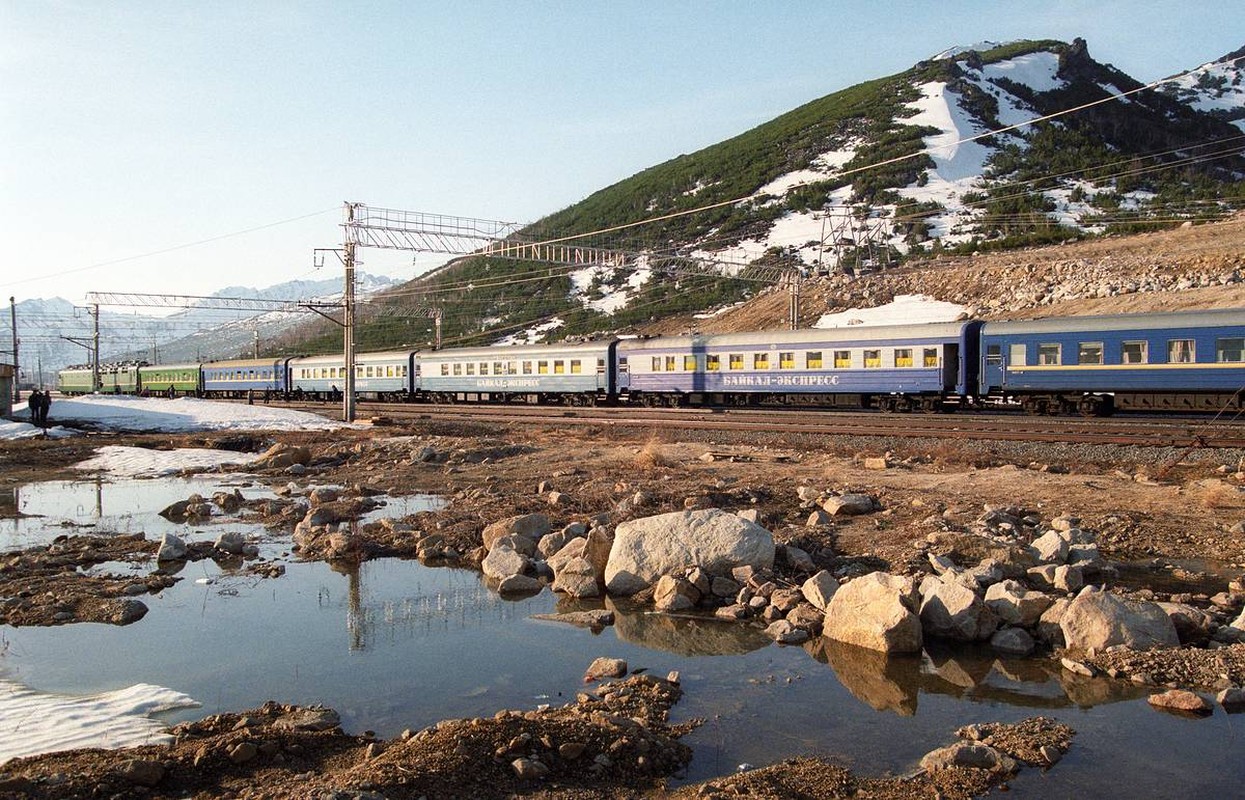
935, 159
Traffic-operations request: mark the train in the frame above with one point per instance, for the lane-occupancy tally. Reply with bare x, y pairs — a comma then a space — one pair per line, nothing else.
1093, 366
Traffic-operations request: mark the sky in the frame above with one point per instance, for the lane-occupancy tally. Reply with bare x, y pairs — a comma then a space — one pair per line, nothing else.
182, 148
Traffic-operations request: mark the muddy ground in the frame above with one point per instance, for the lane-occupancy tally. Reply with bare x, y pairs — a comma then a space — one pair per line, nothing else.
1179, 536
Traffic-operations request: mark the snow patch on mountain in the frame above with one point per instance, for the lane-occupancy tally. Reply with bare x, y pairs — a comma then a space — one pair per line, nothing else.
1038, 71
1217, 87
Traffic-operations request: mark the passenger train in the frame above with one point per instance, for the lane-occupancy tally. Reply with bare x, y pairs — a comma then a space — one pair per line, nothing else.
1186, 361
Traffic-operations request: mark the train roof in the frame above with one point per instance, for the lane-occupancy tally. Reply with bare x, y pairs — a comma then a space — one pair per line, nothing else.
520, 350
186, 365
244, 362
359, 358
808, 336
1120, 322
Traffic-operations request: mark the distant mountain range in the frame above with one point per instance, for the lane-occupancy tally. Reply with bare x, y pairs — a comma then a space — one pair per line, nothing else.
199, 333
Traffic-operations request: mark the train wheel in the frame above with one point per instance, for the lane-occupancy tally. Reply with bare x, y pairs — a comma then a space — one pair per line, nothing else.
1036, 406
1092, 406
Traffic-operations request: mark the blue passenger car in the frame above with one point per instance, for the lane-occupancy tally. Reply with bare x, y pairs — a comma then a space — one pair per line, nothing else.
236, 378
577, 374
894, 367
1178, 361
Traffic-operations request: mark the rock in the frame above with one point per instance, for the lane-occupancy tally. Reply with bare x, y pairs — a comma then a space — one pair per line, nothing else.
951, 611
1013, 641
876, 463
172, 548
1069, 578
502, 562
875, 612
1193, 625
1099, 619
1016, 605
807, 617
530, 526
750, 514
571, 750
605, 667
798, 560
1051, 755
819, 589
597, 548
141, 771
243, 752
323, 494
1181, 700
551, 543
592, 618
1042, 576
723, 587
784, 632
645, 549
1048, 629
1076, 667
1233, 698
807, 494
577, 578
817, 518
963, 754
520, 544
529, 768
519, 584
125, 611
573, 549
848, 505
282, 456
308, 719
675, 594
1050, 548
556, 499
230, 542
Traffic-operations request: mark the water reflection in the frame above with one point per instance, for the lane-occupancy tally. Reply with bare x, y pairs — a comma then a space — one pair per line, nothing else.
684, 635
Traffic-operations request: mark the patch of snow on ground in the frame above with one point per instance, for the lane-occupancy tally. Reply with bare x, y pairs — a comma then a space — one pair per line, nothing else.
958, 165
952, 52
718, 312
1111, 88
141, 462
1035, 70
34, 722
24, 430
785, 183
532, 335
905, 309
1012, 110
1216, 91
120, 412
1070, 212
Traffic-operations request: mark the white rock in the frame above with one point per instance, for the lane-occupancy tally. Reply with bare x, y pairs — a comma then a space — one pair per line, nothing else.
876, 612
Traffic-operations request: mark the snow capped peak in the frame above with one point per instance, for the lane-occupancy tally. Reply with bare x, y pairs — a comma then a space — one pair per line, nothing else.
952, 52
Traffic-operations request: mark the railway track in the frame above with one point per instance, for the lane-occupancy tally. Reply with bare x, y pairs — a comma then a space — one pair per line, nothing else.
999, 426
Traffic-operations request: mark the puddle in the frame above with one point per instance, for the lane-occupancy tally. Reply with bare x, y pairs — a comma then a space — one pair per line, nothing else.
393, 644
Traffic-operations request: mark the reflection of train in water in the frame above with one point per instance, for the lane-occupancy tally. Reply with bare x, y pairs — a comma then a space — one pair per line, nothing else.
1090, 365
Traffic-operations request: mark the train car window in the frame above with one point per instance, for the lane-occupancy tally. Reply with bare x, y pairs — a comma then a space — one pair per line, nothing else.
402, 371
903, 356
786, 360
1230, 350
1089, 353
371, 372
1016, 355
689, 363
760, 360
656, 363
358, 372
445, 370
471, 368
842, 359
713, 363
669, 363
559, 367
498, 369
600, 366
1181, 351
812, 359
1050, 354
930, 357
483, 367
736, 361
542, 367
527, 367
577, 366
389, 371
1134, 353
873, 359
458, 369
512, 367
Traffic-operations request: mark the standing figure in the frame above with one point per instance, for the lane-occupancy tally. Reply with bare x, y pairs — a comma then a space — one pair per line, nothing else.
35, 404
45, 404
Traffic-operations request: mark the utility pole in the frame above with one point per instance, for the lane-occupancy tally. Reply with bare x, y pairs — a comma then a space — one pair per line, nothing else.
95, 350
17, 373
348, 316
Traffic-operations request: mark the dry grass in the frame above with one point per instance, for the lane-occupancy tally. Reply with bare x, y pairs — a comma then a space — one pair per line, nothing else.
651, 456
1217, 494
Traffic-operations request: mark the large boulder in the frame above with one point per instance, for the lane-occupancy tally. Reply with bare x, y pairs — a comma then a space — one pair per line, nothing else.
819, 589
280, 456
502, 562
645, 549
953, 611
1016, 605
576, 577
1100, 619
875, 612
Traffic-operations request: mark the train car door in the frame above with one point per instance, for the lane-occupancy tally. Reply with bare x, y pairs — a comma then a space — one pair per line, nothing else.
993, 370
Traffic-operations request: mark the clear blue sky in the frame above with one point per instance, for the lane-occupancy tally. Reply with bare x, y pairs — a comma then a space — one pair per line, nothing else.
132, 127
